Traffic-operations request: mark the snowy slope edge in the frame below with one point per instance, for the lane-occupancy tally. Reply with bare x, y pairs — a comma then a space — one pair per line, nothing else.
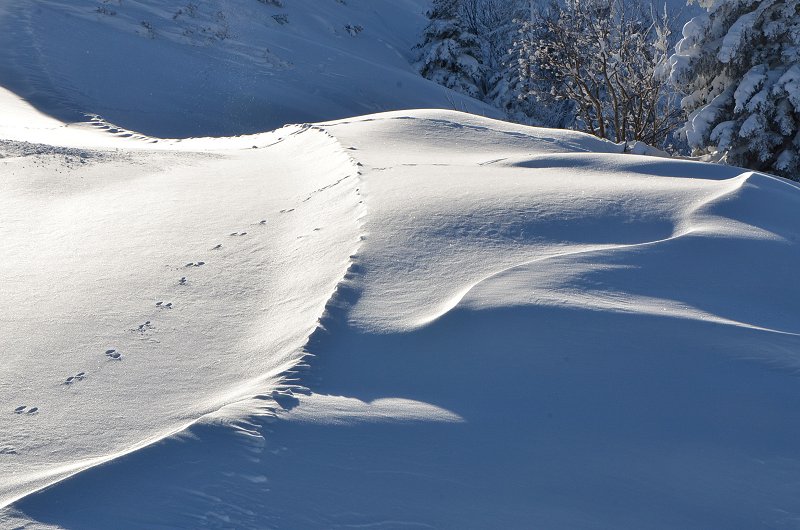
242, 404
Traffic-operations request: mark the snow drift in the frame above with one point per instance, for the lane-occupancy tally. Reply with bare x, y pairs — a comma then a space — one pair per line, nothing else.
527, 329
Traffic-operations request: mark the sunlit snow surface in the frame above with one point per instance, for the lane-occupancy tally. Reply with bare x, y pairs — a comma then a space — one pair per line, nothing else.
506, 327
148, 284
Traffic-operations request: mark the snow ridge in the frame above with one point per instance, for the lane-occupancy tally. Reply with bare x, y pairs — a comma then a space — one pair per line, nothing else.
340, 300
229, 404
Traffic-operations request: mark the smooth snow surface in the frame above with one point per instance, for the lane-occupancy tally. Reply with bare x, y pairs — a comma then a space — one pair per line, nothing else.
217, 67
518, 328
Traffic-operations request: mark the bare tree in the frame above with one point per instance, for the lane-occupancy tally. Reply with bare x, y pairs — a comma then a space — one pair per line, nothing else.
608, 57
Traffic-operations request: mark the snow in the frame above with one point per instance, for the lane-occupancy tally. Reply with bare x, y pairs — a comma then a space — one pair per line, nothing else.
789, 82
97, 241
528, 327
753, 82
752, 126
185, 80
415, 319
737, 33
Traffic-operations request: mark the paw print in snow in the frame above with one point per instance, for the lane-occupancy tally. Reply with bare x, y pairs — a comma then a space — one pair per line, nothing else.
23, 409
143, 328
80, 376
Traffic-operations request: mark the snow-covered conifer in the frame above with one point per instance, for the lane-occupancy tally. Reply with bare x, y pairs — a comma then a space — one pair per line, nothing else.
739, 66
509, 81
449, 53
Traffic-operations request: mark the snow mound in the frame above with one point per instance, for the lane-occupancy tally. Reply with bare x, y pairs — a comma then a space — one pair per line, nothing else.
143, 289
535, 331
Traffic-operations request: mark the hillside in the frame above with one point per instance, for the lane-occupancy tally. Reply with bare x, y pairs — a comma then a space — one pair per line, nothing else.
218, 67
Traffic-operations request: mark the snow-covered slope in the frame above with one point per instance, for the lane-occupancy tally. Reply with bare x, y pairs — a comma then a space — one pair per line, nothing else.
534, 331
219, 67
143, 288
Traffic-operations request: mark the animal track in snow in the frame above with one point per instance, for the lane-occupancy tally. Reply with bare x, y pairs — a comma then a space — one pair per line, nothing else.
114, 355
238, 234
143, 328
195, 264
33, 410
162, 305
217, 247
262, 222
8, 450
182, 281
287, 211
80, 376
20, 409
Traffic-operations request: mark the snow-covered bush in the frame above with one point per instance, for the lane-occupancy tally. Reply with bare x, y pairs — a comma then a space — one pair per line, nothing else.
739, 66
